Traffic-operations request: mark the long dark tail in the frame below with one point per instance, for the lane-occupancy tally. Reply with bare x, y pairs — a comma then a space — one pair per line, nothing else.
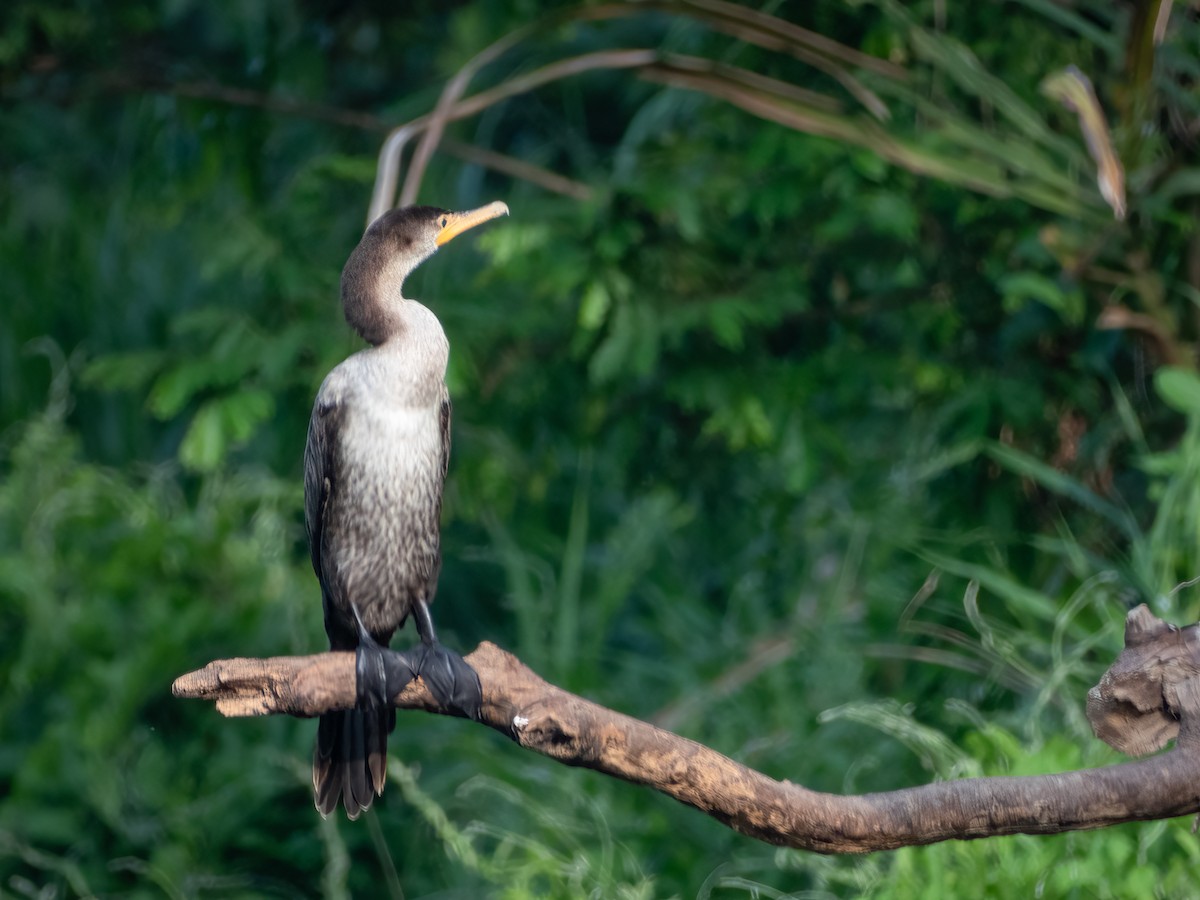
350, 758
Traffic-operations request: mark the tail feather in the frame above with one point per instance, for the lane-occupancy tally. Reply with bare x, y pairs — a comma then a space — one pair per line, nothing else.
350, 759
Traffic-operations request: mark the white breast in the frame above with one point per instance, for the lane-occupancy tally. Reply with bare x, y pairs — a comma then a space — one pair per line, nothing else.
385, 501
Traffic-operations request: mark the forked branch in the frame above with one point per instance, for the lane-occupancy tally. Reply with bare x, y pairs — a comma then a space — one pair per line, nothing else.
1150, 695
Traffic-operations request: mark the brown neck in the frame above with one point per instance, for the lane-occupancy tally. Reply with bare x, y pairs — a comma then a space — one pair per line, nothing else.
371, 316
372, 283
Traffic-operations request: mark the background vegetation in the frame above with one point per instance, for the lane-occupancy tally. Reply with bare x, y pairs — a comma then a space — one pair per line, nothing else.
839, 441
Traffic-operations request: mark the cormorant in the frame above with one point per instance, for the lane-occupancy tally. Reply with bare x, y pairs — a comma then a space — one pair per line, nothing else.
378, 448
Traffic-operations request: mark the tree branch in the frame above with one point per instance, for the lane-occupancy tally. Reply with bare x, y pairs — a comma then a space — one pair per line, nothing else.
1149, 695
237, 96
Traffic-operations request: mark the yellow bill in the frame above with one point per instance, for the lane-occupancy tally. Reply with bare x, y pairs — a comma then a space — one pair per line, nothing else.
455, 223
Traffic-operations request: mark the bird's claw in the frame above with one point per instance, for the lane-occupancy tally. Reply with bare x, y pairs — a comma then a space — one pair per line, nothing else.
452, 682
382, 673
371, 675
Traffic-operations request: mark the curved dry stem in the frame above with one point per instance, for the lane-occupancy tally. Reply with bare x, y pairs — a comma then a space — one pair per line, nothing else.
387, 172
453, 90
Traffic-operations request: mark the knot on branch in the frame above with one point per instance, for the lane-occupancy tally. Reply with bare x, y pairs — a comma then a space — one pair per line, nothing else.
545, 729
1140, 701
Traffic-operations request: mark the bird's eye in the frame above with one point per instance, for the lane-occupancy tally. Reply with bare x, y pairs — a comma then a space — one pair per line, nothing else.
444, 220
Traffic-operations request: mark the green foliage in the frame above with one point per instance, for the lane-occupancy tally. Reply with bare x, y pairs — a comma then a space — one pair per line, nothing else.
99, 576
838, 442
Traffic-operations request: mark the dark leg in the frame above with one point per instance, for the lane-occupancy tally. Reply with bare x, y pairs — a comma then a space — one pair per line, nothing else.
424, 623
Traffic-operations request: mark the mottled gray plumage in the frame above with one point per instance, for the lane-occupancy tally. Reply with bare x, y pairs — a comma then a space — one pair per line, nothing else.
378, 446
374, 466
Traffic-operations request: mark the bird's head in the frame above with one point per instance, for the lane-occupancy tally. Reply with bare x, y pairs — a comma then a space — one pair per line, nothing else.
395, 244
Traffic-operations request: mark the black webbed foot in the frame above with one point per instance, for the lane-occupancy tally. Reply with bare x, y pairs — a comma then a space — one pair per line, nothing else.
451, 681
379, 675
382, 673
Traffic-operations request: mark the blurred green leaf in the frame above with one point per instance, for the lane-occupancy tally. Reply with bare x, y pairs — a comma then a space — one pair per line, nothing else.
1063, 485
1179, 389
178, 386
594, 308
221, 424
1020, 288
123, 371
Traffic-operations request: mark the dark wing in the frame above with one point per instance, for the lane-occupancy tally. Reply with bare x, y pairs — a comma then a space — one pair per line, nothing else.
445, 431
318, 475
320, 481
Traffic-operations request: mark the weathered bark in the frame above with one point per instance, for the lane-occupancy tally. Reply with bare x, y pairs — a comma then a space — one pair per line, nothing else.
1136, 708
1150, 695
